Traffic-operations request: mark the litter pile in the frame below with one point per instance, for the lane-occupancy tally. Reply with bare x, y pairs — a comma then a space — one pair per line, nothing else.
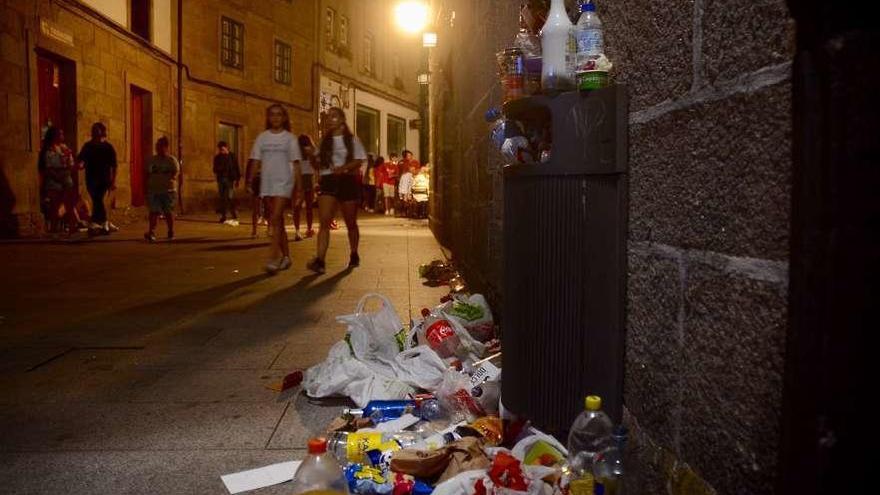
429, 417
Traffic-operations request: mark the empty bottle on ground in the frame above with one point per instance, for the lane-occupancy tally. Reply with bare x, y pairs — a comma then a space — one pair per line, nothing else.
590, 434
320, 472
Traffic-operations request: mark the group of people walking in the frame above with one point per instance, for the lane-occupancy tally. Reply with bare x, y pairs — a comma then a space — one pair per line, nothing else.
283, 171
282, 168
59, 170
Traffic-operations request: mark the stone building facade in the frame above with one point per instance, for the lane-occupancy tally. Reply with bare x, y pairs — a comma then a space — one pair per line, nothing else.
226, 100
710, 172
75, 62
368, 68
88, 65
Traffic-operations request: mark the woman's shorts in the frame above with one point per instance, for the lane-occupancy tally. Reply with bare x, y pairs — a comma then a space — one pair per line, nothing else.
343, 187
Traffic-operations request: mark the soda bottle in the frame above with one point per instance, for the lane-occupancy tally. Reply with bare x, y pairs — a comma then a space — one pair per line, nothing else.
608, 464
440, 335
319, 473
385, 410
353, 447
589, 39
590, 434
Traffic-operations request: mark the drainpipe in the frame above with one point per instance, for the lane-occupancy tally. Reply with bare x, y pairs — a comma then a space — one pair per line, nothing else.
180, 101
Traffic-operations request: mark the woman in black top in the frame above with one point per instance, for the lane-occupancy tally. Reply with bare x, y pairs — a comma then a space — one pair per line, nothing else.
99, 159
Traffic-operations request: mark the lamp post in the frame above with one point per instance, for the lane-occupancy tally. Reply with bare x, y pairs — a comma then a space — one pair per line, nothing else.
414, 17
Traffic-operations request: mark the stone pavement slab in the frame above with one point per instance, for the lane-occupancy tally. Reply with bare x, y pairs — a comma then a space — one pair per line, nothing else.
137, 368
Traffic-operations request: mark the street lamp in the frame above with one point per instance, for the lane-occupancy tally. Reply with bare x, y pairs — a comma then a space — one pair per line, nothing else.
411, 16
429, 39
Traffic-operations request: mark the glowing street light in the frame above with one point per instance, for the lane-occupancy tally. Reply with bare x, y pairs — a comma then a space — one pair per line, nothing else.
429, 39
411, 16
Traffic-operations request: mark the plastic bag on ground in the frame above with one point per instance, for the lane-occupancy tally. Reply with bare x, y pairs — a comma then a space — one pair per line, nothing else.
462, 484
374, 335
341, 374
474, 314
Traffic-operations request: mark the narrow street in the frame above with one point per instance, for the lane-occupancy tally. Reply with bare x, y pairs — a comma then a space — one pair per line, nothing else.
127, 367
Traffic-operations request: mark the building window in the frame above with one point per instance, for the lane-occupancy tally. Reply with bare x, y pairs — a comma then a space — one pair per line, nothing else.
367, 128
231, 43
343, 31
330, 28
282, 62
369, 48
140, 18
396, 134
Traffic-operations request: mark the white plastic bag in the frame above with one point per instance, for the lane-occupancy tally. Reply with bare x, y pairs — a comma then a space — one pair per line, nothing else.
374, 335
481, 328
460, 484
420, 367
341, 374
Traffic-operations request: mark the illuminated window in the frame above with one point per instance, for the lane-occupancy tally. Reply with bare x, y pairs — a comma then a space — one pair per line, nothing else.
343, 31
231, 43
369, 50
330, 28
282, 62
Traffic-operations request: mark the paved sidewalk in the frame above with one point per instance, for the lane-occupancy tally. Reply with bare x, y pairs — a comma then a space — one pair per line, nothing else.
135, 368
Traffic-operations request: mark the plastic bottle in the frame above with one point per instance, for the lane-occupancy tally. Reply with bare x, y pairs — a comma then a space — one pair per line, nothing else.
440, 335
589, 40
352, 447
608, 464
590, 434
385, 410
556, 49
319, 473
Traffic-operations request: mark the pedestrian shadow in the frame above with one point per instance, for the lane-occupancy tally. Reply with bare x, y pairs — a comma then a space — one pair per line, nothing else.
241, 247
155, 319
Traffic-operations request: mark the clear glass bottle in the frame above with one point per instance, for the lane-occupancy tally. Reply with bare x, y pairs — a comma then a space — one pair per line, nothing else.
589, 40
556, 45
319, 473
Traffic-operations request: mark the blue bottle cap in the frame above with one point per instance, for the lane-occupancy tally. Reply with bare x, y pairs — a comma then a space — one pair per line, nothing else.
492, 114
588, 7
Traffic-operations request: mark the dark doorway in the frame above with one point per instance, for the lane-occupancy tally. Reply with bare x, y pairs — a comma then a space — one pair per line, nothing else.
140, 18
56, 83
140, 140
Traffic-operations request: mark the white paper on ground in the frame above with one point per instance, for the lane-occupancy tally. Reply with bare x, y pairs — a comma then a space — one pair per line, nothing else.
398, 424
260, 477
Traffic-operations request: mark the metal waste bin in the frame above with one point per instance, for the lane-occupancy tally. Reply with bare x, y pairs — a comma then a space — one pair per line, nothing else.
565, 263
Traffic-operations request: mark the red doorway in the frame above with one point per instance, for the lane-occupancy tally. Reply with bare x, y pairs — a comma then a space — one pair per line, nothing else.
56, 86
140, 142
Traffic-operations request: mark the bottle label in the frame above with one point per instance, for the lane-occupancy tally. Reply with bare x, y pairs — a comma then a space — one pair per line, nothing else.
589, 42
438, 332
358, 444
582, 486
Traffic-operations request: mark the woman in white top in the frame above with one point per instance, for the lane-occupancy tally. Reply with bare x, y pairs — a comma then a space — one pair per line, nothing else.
340, 157
276, 153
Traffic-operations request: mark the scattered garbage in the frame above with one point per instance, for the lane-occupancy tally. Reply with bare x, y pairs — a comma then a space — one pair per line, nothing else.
429, 418
289, 381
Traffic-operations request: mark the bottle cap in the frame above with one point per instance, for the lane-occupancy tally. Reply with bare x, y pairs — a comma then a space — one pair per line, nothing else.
593, 403
492, 114
588, 7
317, 445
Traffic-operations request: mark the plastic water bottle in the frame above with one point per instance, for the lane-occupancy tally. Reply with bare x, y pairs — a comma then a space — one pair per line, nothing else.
353, 447
590, 434
589, 39
319, 473
385, 410
608, 464
556, 49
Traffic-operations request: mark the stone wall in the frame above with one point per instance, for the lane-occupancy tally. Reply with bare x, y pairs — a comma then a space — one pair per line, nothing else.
710, 159
106, 62
240, 97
